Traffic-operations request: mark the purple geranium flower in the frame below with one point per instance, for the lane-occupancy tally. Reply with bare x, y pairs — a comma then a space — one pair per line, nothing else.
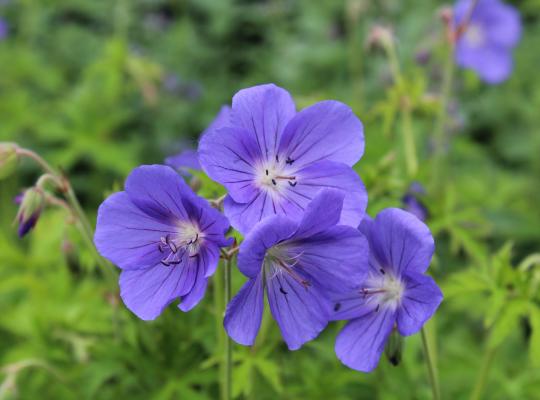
396, 292
273, 161
165, 239
298, 262
486, 42
189, 159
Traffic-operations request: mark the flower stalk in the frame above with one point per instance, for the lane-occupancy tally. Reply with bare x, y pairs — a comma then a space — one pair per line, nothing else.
228, 343
431, 365
63, 185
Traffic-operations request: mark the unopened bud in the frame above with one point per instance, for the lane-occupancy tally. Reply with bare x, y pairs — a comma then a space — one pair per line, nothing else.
8, 159
380, 37
195, 183
422, 57
31, 206
394, 348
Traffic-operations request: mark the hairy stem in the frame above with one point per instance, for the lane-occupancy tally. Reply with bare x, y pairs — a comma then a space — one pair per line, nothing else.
431, 366
64, 186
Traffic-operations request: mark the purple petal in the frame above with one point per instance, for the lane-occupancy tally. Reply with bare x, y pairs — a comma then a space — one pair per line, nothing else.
493, 64
26, 225
244, 312
146, 292
327, 130
351, 305
158, 190
228, 156
361, 342
328, 174
265, 235
421, 299
222, 119
264, 111
399, 240
206, 259
126, 236
186, 159
323, 212
336, 259
503, 25
301, 312
211, 222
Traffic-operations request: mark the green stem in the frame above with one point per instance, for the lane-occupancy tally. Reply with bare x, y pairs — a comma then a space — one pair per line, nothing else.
228, 343
432, 368
219, 306
222, 296
411, 160
83, 224
487, 360
440, 122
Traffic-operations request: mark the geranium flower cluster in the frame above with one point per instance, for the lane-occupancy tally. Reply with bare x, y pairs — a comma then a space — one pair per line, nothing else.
308, 244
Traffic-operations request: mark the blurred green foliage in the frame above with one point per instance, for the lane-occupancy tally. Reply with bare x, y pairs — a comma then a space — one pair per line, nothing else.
99, 87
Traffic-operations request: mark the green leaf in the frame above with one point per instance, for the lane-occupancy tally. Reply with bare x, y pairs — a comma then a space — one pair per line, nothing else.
508, 322
270, 371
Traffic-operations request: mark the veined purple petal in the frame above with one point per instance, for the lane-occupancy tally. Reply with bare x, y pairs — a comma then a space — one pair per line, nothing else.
244, 216
350, 305
400, 241
321, 213
291, 201
301, 312
127, 236
421, 299
230, 156
146, 292
361, 342
327, 130
333, 175
266, 234
244, 312
264, 111
335, 259
204, 260
210, 221
158, 191
167, 243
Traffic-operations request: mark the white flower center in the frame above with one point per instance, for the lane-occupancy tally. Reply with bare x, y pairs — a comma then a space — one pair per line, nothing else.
384, 290
475, 35
186, 242
279, 261
273, 176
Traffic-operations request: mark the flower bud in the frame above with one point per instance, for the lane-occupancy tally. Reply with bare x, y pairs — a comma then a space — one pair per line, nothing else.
31, 205
394, 348
380, 37
8, 159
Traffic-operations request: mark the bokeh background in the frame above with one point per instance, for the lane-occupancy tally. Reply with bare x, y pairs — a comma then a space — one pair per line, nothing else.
99, 87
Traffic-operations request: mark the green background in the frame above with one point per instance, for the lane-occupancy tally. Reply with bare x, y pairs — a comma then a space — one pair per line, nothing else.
99, 87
